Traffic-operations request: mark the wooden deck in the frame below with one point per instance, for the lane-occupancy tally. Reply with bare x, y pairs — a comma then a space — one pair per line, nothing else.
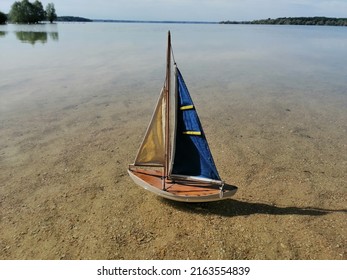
152, 180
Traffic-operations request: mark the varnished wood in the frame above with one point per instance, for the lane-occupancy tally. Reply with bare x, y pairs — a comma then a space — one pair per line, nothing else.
181, 191
167, 101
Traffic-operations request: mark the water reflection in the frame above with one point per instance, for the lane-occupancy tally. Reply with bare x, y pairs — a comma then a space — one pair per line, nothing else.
31, 34
34, 37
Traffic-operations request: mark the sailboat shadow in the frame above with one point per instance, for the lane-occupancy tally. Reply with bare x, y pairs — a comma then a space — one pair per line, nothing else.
233, 208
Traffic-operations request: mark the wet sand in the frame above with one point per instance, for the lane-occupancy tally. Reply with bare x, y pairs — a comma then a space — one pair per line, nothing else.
65, 192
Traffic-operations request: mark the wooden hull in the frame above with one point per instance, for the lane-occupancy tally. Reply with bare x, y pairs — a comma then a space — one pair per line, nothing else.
152, 180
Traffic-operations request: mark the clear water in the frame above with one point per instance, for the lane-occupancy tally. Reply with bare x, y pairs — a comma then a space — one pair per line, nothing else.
245, 59
75, 100
252, 74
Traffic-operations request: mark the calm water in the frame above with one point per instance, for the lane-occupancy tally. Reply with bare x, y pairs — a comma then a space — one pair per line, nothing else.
245, 63
75, 100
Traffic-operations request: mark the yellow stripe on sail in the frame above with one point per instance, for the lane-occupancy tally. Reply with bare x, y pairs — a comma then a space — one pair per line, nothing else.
188, 107
192, 132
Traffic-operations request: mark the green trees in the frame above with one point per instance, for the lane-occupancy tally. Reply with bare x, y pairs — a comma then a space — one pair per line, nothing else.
50, 12
38, 11
297, 21
3, 18
304, 21
27, 12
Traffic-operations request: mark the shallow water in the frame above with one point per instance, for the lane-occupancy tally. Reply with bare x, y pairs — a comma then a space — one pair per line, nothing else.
242, 58
254, 75
75, 100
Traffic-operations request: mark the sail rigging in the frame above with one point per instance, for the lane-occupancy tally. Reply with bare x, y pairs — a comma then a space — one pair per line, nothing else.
174, 159
191, 155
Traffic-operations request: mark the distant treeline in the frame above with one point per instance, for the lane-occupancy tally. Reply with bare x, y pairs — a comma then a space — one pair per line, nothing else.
295, 21
81, 19
27, 12
73, 19
154, 21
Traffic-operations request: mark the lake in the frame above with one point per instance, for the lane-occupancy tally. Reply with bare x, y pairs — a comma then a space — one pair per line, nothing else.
75, 100
235, 58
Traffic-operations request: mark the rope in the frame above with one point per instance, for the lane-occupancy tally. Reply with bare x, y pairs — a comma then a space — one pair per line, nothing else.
173, 57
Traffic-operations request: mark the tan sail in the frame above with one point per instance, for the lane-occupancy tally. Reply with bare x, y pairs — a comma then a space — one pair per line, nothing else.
152, 149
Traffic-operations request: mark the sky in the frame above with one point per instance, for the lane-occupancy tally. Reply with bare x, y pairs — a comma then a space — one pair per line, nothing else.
195, 10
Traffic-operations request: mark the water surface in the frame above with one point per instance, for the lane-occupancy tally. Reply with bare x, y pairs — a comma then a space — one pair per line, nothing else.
238, 59
75, 100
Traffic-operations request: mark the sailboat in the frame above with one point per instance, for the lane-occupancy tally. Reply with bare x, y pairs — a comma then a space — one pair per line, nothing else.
174, 160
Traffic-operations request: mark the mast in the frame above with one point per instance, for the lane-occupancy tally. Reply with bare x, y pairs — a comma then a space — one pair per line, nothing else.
167, 111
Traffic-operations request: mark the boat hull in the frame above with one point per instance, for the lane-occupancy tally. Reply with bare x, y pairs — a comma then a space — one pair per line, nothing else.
152, 180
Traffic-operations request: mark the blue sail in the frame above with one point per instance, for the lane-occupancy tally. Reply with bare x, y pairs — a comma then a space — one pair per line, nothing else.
192, 156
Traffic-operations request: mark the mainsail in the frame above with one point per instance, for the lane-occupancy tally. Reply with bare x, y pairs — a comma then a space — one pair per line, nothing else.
152, 149
192, 156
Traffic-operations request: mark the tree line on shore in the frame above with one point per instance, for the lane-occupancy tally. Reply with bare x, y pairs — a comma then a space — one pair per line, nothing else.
295, 21
29, 13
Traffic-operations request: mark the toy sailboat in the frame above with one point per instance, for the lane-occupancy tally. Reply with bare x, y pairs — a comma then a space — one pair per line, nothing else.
177, 163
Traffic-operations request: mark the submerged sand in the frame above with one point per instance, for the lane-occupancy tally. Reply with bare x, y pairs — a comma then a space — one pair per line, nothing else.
65, 192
